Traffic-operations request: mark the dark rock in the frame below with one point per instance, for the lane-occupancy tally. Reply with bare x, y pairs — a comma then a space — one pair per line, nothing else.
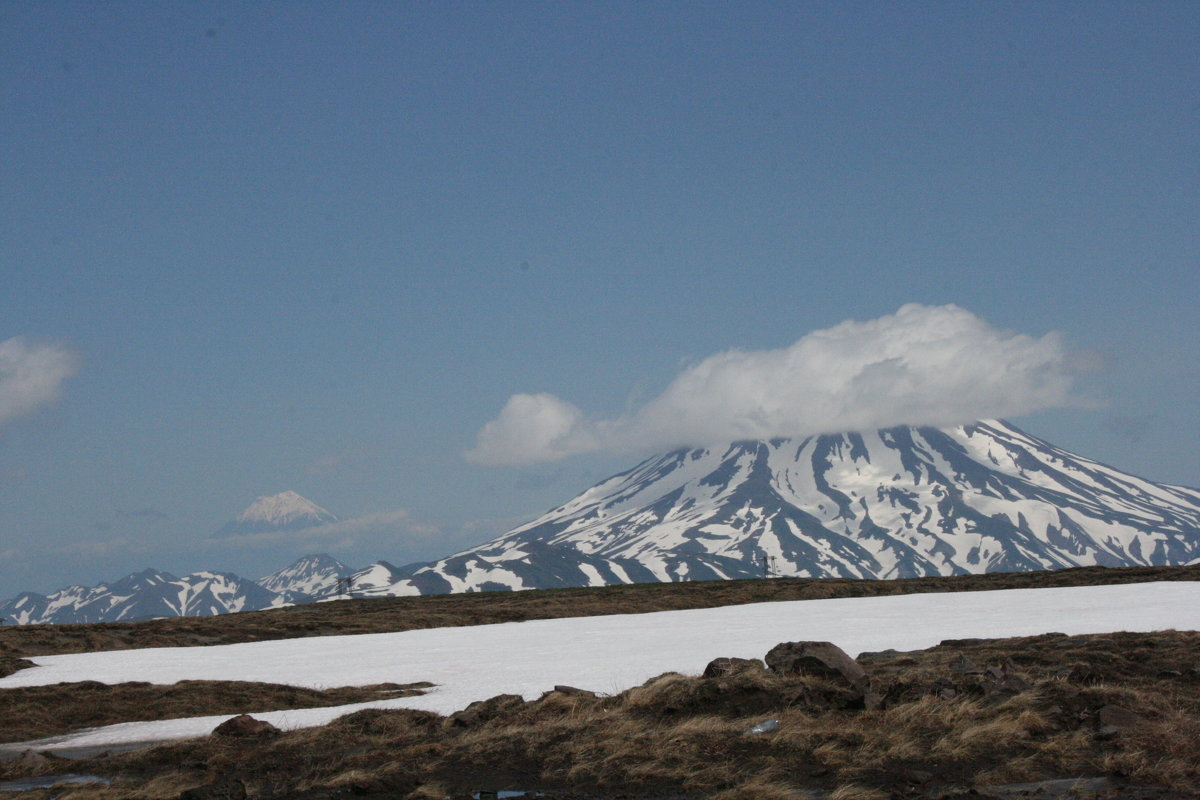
1004, 680
724, 667
224, 789
482, 711
1083, 673
821, 659
963, 666
916, 776
1056, 789
877, 655
245, 725
561, 689
960, 642
1111, 720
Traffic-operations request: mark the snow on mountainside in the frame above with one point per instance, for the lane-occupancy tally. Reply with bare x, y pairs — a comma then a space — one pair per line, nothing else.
314, 575
154, 594
375, 579
286, 511
893, 503
143, 595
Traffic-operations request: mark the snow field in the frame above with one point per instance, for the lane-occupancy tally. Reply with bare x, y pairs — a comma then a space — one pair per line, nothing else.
605, 654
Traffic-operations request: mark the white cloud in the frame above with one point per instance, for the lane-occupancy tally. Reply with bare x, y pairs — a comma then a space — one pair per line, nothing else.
31, 375
922, 365
531, 428
346, 533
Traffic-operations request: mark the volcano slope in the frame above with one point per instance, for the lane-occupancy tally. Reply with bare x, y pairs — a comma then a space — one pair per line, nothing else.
898, 502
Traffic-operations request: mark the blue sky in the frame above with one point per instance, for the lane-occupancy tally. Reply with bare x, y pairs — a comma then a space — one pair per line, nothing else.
319, 246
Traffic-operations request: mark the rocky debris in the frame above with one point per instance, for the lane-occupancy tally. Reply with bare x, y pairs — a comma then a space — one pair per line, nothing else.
31, 757
482, 711
1004, 680
244, 725
724, 667
1111, 720
820, 659
221, 789
963, 666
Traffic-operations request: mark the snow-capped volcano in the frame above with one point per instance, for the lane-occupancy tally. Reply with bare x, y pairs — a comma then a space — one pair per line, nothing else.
898, 502
286, 511
892, 503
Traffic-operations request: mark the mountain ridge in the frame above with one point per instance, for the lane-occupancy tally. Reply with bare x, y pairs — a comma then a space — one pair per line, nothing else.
277, 513
893, 503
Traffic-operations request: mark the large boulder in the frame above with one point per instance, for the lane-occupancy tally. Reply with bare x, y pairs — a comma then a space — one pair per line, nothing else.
820, 659
1111, 720
725, 666
482, 711
245, 725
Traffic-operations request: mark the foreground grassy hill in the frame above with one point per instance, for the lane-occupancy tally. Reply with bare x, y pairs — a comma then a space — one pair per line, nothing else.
389, 614
1052, 716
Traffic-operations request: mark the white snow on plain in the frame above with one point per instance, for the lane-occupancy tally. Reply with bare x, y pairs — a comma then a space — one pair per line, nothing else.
605, 654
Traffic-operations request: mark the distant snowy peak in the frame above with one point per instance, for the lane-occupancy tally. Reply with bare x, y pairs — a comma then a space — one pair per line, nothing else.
286, 511
892, 503
285, 508
313, 575
149, 594
377, 575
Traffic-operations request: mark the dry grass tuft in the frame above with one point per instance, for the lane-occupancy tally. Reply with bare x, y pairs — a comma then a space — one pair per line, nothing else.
852, 791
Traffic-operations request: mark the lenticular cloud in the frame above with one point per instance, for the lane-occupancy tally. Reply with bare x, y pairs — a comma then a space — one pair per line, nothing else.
922, 365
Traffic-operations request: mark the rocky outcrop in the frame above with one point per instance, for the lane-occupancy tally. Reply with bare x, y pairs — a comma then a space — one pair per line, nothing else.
819, 659
244, 725
726, 666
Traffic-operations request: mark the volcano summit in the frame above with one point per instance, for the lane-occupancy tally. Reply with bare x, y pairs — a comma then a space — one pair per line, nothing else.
893, 503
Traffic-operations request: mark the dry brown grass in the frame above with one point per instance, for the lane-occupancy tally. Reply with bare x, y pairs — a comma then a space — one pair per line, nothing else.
38, 711
946, 723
